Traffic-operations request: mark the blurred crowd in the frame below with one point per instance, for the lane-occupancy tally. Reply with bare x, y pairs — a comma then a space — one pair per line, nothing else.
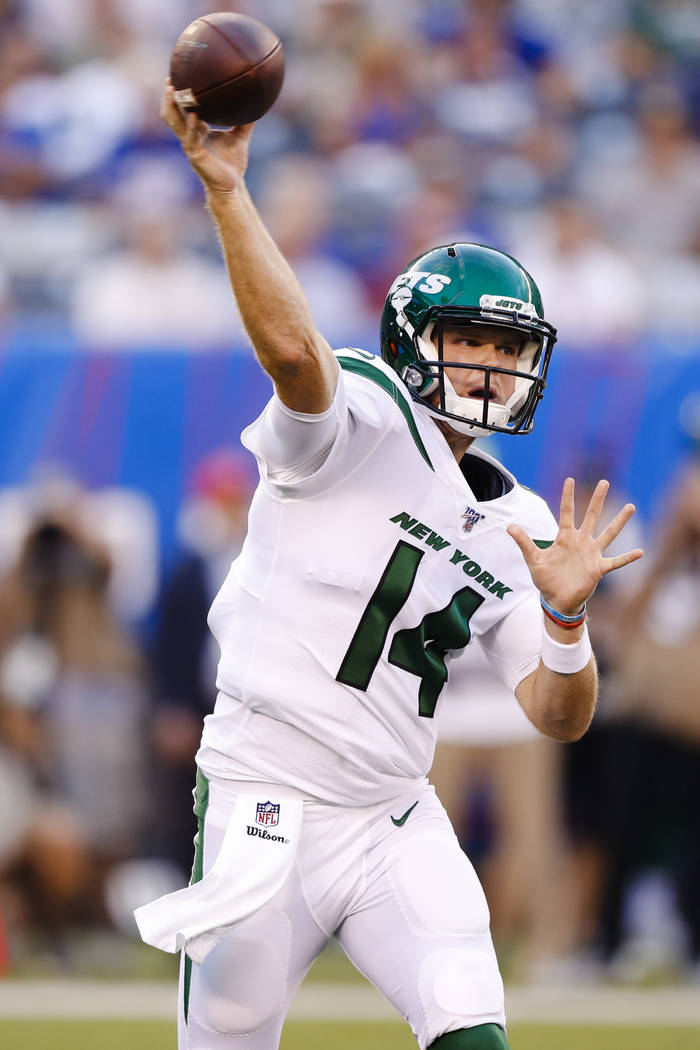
563, 132
566, 133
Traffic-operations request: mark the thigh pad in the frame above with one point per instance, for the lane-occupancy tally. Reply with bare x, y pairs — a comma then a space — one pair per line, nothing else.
242, 984
438, 888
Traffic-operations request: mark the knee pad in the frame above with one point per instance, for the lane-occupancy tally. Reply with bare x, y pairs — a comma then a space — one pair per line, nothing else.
242, 983
461, 984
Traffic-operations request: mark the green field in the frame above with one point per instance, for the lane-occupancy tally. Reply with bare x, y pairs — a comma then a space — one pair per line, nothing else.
154, 1035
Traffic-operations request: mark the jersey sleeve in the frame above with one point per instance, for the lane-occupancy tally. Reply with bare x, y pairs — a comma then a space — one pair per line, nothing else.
292, 445
301, 455
513, 646
537, 519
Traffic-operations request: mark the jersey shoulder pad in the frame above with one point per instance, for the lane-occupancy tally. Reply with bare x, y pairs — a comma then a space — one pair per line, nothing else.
371, 368
535, 517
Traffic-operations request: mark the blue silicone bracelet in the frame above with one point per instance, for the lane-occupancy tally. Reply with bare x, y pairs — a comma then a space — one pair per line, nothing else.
562, 617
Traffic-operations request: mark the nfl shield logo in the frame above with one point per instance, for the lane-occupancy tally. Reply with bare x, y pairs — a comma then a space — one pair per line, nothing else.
471, 518
268, 814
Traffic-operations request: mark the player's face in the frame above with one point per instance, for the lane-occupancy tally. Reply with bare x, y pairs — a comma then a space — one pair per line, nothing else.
481, 345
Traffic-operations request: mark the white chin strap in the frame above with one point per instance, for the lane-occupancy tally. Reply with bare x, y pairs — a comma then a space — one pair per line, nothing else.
470, 409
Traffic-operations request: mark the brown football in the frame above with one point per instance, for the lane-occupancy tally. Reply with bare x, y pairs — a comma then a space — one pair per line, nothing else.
228, 68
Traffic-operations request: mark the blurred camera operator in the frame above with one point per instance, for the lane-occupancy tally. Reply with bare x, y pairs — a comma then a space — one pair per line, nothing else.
72, 708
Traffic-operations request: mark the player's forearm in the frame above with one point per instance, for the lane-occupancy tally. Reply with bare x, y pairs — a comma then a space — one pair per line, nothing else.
273, 307
561, 705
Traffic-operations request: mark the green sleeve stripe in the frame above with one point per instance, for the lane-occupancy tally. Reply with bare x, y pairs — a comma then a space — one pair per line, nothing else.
362, 368
543, 544
201, 801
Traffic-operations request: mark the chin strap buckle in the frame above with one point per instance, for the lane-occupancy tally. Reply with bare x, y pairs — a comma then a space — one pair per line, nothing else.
412, 377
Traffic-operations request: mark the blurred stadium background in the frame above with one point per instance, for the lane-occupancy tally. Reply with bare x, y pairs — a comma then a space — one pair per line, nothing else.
563, 132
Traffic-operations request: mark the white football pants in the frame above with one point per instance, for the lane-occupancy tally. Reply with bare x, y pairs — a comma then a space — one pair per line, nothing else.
402, 899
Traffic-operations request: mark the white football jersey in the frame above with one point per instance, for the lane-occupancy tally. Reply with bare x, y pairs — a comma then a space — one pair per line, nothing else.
355, 590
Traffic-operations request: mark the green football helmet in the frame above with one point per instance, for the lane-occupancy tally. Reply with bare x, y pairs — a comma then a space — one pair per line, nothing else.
470, 285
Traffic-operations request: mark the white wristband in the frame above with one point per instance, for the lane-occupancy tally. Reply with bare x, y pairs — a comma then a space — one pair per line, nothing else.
563, 658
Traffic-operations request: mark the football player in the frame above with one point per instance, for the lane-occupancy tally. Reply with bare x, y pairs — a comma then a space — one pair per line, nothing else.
379, 543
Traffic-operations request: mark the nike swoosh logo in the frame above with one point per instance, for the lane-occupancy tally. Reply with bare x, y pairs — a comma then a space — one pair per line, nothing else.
402, 820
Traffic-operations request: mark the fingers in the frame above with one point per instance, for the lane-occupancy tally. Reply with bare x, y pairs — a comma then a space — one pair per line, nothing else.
613, 530
195, 131
595, 507
523, 541
620, 560
244, 131
566, 508
185, 123
171, 112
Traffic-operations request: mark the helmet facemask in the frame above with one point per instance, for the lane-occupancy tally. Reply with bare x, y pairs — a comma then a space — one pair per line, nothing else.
478, 417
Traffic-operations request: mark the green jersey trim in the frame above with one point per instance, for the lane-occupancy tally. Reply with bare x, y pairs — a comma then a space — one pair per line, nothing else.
370, 371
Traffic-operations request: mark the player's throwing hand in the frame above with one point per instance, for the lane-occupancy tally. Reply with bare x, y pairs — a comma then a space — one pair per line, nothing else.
568, 572
220, 158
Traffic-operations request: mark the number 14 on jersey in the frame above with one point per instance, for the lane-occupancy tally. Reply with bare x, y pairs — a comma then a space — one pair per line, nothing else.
419, 650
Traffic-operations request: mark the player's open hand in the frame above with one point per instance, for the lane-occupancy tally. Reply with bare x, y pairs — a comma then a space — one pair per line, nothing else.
220, 158
568, 572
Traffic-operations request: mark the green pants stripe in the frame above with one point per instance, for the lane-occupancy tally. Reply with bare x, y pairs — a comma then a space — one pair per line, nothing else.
201, 801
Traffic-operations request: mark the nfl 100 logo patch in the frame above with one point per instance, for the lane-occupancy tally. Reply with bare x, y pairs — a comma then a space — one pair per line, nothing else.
471, 518
267, 814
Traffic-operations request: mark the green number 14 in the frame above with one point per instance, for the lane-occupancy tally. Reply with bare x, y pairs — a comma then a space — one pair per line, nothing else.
419, 650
